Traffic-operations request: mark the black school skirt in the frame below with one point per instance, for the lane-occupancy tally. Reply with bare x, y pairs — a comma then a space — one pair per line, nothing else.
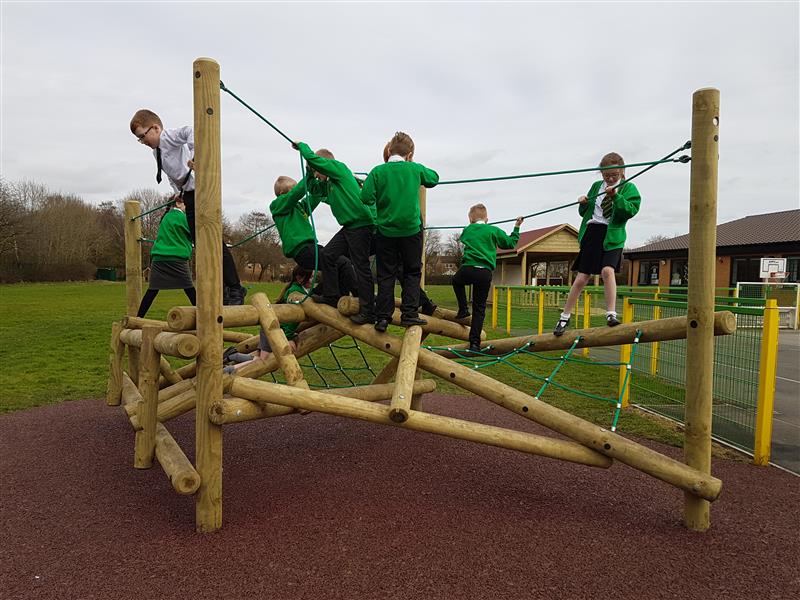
170, 275
592, 258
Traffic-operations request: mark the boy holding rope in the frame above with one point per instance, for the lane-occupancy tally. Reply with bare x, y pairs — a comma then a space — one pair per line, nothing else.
173, 150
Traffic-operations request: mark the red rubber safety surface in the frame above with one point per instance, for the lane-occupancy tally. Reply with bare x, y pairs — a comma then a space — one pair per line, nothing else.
321, 507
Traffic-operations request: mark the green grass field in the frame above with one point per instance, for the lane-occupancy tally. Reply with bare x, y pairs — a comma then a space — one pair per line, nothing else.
54, 342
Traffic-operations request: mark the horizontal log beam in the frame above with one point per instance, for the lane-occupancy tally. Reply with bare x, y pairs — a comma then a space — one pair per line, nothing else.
236, 410
592, 436
342, 406
181, 318
182, 345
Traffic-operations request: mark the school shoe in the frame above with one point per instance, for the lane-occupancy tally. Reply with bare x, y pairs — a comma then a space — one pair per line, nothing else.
409, 321
612, 321
382, 325
428, 309
320, 299
233, 295
462, 314
229, 352
476, 348
362, 319
561, 327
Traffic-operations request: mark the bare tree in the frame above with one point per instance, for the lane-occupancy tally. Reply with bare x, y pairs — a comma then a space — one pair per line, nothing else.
656, 238
262, 248
455, 248
433, 249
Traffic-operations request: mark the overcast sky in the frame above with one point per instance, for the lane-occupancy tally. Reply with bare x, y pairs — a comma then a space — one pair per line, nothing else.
484, 89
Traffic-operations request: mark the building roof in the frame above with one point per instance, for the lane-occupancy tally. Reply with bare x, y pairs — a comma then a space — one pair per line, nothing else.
528, 238
769, 228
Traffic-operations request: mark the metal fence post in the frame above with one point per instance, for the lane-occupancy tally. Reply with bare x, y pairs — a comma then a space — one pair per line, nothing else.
767, 370
625, 355
508, 310
541, 310
494, 307
587, 318
654, 345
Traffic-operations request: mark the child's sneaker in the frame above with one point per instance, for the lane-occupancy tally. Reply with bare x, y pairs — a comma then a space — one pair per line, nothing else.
611, 320
561, 326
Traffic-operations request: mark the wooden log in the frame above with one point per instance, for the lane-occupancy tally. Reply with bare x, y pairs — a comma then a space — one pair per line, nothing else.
349, 306
281, 350
169, 392
592, 436
442, 313
342, 406
387, 373
209, 319
114, 389
133, 257
236, 410
168, 372
181, 345
139, 323
171, 407
130, 322
182, 475
700, 297
406, 372
182, 318
130, 395
660, 330
145, 447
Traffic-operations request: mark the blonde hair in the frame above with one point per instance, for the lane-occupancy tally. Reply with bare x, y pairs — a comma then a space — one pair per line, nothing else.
401, 144
478, 213
284, 184
612, 158
324, 153
145, 118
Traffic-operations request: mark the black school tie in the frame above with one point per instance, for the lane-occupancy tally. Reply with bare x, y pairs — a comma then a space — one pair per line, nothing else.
158, 164
606, 205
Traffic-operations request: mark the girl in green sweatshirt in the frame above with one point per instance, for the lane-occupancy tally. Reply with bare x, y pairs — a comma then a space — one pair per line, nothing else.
481, 241
606, 209
169, 258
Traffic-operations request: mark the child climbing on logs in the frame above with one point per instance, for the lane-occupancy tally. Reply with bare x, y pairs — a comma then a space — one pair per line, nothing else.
295, 290
169, 258
393, 188
602, 236
341, 191
174, 153
481, 241
290, 211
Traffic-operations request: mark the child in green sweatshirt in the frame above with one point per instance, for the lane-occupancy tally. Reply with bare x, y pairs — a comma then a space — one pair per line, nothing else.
602, 236
169, 262
340, 190
393, 188
481, 241
290, 211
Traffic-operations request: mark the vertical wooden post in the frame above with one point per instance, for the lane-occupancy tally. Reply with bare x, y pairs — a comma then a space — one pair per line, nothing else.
145, 446
625, 355
114, 391
423, 195
208, 215
700, 297
406, 371
508, 310
494, 307
587, 316
541, 310
767, 370
133, 257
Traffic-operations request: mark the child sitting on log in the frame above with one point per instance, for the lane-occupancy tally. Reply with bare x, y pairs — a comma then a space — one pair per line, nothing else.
481, 241
295, 290
169, 258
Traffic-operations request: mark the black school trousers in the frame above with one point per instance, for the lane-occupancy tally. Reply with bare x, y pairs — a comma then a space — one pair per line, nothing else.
230, 276
481, 281
354, 243
398, 257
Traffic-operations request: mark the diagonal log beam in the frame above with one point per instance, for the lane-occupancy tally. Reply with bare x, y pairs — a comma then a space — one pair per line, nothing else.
590, 435
406, 371
274, 393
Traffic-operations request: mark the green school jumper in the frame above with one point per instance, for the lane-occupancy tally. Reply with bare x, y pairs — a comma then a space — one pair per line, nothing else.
290, 214
173, 240
625, 205
393, 188
481, 242
342, 192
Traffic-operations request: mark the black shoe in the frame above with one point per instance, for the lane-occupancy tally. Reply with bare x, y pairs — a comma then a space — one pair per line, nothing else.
382, 325
428, 309
226, 356
233, 296
325, 300
362, 319
409, 321
462, 314
476, 348
561, 327
612, 321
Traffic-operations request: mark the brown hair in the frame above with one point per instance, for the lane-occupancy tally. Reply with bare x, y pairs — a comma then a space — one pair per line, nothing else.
478, 213
401, 145
145, 118
612, 158
324, 153
283, 184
